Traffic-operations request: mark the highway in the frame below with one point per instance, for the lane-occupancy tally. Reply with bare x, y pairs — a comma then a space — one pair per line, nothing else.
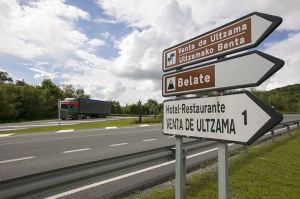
32, 153
27, 154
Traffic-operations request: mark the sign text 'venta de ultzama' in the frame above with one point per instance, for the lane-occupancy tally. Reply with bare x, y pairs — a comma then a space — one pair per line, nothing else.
230, 37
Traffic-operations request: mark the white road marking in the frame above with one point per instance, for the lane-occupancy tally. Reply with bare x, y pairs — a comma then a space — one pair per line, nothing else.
15, 160
149, 140
111, 127
75, 137
65, 131
77, 150
83, 130
6, 135
123, 176
120, 144
144, 125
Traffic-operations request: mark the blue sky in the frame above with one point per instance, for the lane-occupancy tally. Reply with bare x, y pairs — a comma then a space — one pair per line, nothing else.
112, 49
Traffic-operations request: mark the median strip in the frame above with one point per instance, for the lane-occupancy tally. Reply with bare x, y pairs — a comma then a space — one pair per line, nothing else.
15, 160
77, 150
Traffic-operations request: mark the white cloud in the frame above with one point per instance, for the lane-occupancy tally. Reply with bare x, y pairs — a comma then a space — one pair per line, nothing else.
104, 20
40, 29
96, 42
288, 50
140, 52
41, 74
132, 11
45, 31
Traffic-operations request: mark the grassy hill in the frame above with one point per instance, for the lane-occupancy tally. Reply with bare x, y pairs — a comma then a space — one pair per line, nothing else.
284, 99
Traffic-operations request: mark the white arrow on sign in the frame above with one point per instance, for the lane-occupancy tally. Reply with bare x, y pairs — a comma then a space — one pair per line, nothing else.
239, 118
241, 34
245, 70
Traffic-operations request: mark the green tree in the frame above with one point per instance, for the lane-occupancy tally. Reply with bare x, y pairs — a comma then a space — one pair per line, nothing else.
4, 77
80, 94
152, 107
8, 111
29, 102
115, 107
69, 90
20, 82
50, 95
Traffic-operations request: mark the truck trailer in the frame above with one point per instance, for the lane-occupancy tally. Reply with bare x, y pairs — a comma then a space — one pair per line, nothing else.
75, 108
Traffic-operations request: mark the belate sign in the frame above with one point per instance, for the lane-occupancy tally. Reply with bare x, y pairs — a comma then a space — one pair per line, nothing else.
238, 118
245, 70
241, 34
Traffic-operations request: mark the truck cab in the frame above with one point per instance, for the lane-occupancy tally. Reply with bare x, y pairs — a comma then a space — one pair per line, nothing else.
69, 108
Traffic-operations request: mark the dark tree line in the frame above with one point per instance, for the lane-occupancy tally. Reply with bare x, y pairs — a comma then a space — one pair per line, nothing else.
20, 101
151, 107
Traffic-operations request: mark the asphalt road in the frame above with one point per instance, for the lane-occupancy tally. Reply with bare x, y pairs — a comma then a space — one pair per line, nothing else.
27, 154
32, 153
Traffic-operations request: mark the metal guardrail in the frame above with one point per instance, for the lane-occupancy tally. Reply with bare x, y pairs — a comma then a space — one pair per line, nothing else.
29, 186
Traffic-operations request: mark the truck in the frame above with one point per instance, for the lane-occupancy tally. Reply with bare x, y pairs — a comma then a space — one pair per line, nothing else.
75, 108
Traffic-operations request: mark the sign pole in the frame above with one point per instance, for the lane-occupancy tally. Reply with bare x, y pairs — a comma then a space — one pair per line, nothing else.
179, 174
58, 104
223, 170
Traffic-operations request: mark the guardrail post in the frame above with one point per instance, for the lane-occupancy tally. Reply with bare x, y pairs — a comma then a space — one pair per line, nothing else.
273, 135
245, 150
179, 178
298, 124
288, 129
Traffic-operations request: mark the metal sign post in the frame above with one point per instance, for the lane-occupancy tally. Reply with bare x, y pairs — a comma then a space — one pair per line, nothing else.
59, 107
179, 170
180, 165
223, 170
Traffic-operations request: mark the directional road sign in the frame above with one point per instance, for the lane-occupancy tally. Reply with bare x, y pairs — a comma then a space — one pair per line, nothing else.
241, 34
246, 70
239, 118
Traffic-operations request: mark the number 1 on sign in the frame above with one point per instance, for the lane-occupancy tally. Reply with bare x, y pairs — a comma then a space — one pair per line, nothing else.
244, 113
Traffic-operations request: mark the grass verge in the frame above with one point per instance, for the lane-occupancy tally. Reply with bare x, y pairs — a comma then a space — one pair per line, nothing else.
88, 125
270, 171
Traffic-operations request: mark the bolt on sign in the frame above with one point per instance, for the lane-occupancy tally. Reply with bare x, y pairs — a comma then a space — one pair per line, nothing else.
227, 74
220, 118
241, 34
